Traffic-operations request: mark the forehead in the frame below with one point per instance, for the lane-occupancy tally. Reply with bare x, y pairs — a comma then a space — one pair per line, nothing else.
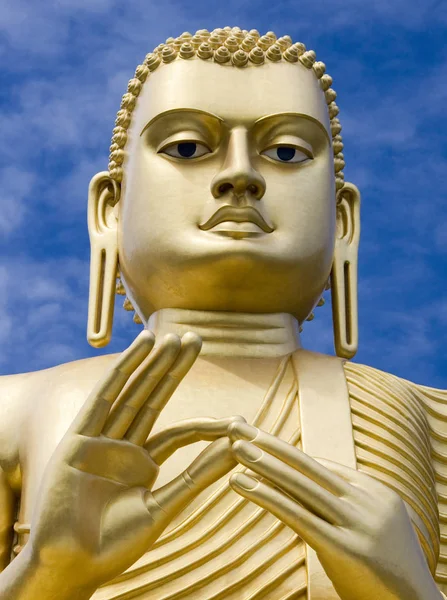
240, 96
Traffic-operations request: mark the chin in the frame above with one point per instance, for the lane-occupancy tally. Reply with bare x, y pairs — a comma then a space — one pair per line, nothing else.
230, 284
208, 271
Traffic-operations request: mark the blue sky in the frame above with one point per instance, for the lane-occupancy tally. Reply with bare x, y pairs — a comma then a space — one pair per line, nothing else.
65, 65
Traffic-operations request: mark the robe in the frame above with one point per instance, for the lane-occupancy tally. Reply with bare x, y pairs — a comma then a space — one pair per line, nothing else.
225, 547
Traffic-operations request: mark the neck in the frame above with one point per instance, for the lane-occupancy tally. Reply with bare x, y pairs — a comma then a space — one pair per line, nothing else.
247, 335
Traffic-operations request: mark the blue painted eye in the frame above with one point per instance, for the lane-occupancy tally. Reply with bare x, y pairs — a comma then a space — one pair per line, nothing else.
287, 154
186, 150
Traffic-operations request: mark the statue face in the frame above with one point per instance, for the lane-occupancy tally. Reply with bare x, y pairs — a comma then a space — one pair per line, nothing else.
228, 196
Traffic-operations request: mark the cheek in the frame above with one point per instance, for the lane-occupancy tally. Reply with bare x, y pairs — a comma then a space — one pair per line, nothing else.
163, 191
161, 207
302, 205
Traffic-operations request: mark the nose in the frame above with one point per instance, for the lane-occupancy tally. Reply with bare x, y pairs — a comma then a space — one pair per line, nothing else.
237, 173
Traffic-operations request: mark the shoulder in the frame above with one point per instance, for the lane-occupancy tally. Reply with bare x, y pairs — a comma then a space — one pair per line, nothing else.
356, 373
26, 394
395, 402
77, 371
363, 380
20, 390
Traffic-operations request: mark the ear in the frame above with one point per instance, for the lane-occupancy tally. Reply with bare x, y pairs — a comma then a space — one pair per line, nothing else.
103, 196
344, 272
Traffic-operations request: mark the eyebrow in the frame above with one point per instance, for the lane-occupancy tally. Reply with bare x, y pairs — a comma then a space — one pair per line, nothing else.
263, 119
296, 115
173, 111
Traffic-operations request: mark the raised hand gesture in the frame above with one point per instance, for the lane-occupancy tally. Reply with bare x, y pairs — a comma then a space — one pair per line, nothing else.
96, 513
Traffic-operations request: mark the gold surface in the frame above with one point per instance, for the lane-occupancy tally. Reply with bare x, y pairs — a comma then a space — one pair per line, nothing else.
298, 476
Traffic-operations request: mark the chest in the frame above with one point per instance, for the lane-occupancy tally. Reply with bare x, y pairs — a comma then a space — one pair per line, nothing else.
269, 394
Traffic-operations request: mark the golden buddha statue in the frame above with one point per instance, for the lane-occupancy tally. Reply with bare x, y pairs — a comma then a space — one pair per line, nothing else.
216, 458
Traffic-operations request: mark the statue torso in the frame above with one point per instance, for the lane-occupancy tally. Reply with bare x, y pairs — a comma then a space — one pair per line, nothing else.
222, 546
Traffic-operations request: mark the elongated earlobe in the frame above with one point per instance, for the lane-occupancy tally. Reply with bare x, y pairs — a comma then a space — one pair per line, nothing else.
103, 195
344, 272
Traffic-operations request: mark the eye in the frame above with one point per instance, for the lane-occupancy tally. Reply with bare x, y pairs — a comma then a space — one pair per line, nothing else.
186, 150
287, 154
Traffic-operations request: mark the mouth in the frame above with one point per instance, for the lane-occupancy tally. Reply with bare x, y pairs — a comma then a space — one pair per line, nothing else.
244, 214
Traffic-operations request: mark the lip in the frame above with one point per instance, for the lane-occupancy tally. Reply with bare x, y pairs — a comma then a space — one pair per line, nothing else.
237, 231
243, 214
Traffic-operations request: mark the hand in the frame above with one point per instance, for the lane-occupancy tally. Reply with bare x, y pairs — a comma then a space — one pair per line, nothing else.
359, 528
96, 514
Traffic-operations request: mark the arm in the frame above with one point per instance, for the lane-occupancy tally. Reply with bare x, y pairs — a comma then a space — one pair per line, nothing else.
10, 416
12, 575
7, 512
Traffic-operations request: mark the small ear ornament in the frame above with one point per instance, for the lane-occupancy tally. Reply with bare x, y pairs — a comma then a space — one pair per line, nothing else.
103, 195
344, 272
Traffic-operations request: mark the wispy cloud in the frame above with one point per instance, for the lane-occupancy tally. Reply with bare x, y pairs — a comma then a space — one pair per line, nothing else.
43, 314
15, 185
66, 65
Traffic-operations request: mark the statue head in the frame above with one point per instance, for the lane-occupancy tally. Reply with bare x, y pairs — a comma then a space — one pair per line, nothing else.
225, 189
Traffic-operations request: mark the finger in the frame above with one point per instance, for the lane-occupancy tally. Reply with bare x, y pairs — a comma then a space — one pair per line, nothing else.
144, 421
92, 416
315, 531
293, 482
212, 464
292, 456
136, 393
162, 445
